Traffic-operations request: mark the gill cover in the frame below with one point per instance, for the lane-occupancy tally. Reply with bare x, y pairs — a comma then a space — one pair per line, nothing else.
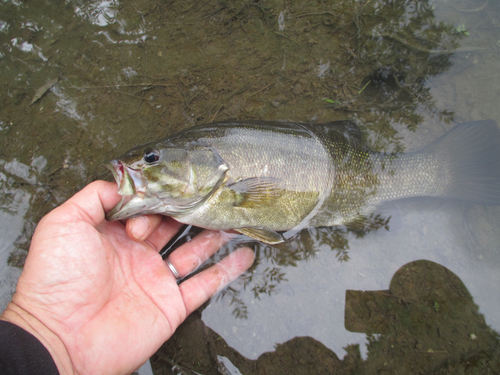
186, 176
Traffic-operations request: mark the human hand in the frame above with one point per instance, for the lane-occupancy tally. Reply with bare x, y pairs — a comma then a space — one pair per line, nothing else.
102, 302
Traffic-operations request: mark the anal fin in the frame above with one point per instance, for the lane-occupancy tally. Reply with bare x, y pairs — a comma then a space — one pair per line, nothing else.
263, 235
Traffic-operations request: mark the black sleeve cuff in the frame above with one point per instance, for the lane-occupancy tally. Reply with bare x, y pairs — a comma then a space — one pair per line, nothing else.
21, 353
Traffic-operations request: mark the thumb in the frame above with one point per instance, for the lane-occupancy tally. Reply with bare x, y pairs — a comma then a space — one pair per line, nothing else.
89, 205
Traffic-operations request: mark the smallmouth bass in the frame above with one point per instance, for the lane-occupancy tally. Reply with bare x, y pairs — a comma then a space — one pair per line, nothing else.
261, 178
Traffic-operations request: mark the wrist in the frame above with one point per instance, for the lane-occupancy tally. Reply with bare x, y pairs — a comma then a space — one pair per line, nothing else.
22, 318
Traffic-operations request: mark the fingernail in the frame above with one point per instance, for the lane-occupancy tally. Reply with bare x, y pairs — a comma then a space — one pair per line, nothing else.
140, 227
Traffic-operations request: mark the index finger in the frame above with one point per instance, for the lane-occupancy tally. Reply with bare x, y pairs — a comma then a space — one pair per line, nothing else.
156, 230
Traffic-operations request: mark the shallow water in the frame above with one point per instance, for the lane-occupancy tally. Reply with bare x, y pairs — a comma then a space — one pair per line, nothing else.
82, 83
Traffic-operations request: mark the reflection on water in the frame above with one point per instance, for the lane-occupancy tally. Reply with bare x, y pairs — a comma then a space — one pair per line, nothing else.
100, 13
130, 72
305, 246
426, 322
427, 229
14, 203
11, 229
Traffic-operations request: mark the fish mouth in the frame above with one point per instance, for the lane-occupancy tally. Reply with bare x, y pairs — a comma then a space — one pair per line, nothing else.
132, 186
130, 181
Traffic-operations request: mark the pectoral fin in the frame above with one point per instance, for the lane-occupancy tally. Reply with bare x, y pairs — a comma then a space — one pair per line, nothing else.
258, 192
263, 235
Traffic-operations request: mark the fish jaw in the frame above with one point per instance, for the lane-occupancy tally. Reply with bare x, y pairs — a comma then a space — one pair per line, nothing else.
132, 186
135, 205
130, 181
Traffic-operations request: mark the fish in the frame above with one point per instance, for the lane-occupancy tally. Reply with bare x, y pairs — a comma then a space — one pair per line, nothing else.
262, 179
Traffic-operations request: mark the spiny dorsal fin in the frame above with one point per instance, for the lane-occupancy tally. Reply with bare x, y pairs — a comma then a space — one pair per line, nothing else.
347, 129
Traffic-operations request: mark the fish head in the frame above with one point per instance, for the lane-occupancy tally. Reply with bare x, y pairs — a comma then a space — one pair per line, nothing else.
166, 179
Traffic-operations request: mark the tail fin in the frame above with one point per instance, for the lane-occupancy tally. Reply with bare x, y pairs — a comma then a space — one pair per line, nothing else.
472, 150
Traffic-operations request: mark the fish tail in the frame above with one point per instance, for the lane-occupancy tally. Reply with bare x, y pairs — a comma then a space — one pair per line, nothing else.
472, 153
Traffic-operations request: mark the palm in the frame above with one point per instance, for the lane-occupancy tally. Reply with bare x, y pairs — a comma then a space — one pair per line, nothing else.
101, 292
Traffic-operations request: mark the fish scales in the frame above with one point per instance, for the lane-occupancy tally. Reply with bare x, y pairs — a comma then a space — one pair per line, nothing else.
289, 158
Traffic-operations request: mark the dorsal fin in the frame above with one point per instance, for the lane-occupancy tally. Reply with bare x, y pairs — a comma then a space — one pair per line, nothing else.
347, 129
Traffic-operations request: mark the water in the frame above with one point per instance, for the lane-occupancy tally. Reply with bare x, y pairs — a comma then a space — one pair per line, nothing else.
128, 73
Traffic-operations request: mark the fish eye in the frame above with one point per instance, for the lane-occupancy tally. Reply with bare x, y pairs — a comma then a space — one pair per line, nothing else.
151, 156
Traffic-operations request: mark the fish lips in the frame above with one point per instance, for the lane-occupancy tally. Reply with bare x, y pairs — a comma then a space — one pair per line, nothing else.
130, 181
132, 187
